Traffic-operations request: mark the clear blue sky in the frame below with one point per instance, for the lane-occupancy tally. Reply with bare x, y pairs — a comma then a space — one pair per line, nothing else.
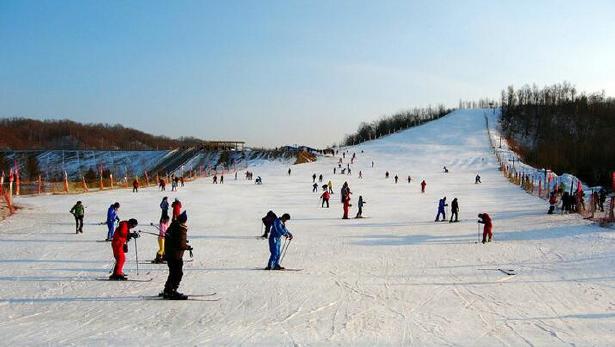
284, 72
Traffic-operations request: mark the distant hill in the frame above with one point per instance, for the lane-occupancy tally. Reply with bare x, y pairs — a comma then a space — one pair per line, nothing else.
23, 133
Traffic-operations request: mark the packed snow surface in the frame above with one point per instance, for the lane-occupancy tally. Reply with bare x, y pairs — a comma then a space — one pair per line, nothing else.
393, 278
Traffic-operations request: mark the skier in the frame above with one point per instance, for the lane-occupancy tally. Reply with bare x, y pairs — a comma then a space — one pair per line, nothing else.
78, 212
409, 179
325, 199
602, 198
423, 184
445, 170
164, 206
441, 204
215, 179
288, 171
360, 174
334, 170
346, 199
135, 186
487, 230
258, 180
235, 175
372, 163
314, 187
162, 229
181, 180
176, 242
349, 171
552, 203
121, 236
360, 204
477, 179
267, 222
396, 178
330, 185
162, 184
173, 184
320, 178
386, 174
314, 178
221, 179
278, 229
176, 182
177, 207
454, 211
111, 219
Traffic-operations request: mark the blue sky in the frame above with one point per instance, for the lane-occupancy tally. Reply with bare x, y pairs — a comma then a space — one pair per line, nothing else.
285, 72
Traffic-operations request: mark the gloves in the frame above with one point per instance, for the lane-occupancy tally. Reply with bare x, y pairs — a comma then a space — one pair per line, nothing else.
290, 236
135, 235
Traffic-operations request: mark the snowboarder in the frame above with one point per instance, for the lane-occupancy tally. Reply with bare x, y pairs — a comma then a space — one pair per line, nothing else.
111, 219
121, 236
164, 206
314, 187
360, 204
325, 199
78, 211
454, 211
177, 207
477, 179
267, 222
162, 229
278, 229
487, 230
314, 178
176, 242
423, 184
396, 178
135, 186
441, 205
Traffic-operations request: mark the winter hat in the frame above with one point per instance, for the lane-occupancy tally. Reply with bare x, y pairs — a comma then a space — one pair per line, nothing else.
133, 222
183, 217
116, 205
285, 216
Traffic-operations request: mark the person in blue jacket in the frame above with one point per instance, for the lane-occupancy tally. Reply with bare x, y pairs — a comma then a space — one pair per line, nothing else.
112, 217
278, 229
441, 204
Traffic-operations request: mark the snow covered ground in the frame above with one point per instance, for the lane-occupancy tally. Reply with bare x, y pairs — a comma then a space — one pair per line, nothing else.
393, 278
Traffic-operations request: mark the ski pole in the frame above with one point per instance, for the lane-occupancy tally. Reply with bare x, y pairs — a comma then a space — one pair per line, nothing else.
137, 256
285, 249
148, 232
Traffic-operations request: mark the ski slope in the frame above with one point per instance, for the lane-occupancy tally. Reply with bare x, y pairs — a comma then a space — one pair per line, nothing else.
392, 278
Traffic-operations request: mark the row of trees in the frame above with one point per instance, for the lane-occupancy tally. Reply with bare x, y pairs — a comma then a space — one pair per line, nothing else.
390, 124
559, 128
22, 133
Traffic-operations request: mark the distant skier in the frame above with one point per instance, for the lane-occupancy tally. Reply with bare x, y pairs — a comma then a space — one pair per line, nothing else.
454, 211
221, 179
289, 171
215, 179
602, 199
173, 184
477, 179
135, 186
552, 203
441, 205
360, 204
181, 180
177, 207
78, 211
268, 222
120, 237
314, 178
111, 219
162, 229
360, 174
235, 175
176, 243
409, 179
325, 199
445, 170
372, 163
258, 180
278, 229
346, 199
396, 178
334, 169
164, 206
320, 178
330, 185
386, 174
162, 184
487, 230
423, 184
314, 187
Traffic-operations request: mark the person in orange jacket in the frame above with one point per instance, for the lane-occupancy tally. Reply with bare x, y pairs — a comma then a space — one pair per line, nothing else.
488, 229
121, 236
177, 208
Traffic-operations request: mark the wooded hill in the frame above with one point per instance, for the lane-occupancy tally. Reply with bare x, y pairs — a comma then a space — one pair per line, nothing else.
22, 133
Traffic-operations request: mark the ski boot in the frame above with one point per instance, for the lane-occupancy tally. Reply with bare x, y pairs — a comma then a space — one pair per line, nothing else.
115, 277
278, 267
158, 259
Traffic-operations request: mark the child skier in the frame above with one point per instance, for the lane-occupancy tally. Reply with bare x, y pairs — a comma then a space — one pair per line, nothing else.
78, 212
441, 204
325, 199
487, 230
176, 242
111, 219
164, 206
360, 204
278, 229
162, 230
121, 236
552, 203
454, 211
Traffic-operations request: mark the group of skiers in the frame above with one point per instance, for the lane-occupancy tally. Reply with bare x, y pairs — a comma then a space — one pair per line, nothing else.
162, 183
442, 210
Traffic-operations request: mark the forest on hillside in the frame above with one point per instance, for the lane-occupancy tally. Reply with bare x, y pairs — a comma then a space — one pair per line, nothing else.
561, 129
23, 133
393, 123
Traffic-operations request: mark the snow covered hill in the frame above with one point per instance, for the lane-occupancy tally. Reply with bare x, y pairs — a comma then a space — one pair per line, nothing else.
393, 278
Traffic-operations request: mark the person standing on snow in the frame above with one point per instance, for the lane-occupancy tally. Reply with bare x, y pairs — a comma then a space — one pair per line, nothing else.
423, 184
176, 243
135, 186
314, 187
111, 219
454, 211
181, 180
360, 174
78, 211
445, 170
487, 230
360, 204
162, 230
386, 174
346, 199
396, 178
121, 236
477, 179
325, 199
221, 179
441, 204
268, 222
409, 179
215, 179
164, 206
552, 203
289, 171
320, 178
278, 229
177, 207
314, 178
330, 185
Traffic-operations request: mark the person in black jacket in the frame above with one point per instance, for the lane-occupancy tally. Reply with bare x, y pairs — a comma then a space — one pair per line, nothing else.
454, 211
176, 242
268, 221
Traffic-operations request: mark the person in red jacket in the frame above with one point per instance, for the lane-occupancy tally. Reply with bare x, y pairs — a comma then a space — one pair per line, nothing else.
423, 184
135, 186
325, 198
120, 237
487, 230
177, 208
